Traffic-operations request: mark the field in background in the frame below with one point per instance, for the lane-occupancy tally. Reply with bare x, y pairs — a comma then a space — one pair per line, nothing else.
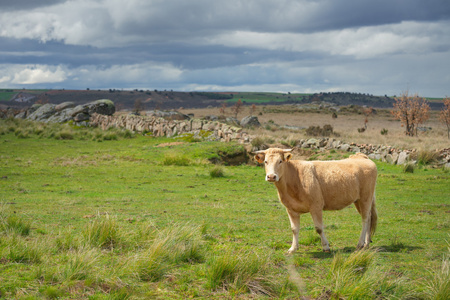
111, 216
346, 125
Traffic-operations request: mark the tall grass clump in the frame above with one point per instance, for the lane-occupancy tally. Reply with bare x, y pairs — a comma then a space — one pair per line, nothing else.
217, 172
409, 167
358, 277
170, 247
11, 223
426, 157
102, 232
79, 265
20, 251
67, 241
437, 286
176, 159
240, 272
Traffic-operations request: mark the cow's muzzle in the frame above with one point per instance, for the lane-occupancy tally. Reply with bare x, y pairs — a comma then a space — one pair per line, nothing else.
272, 177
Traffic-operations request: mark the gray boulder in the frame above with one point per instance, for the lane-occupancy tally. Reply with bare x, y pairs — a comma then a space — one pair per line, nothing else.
168, 115
102, 107
402, 158
43, 112
64, 105
232, 121
81, 117
250, 121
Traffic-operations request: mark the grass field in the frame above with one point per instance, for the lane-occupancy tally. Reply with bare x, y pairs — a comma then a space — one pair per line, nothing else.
261, 98
7, 94
92, 215
345, 125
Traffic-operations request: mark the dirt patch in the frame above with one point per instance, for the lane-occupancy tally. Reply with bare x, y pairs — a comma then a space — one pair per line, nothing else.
169, 144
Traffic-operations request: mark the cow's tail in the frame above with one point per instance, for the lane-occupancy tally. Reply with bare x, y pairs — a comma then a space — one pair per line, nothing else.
373, 217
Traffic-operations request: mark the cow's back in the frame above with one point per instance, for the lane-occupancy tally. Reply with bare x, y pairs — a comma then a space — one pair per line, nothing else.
342, 182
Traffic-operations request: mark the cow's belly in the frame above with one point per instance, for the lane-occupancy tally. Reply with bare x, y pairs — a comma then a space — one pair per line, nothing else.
337, 197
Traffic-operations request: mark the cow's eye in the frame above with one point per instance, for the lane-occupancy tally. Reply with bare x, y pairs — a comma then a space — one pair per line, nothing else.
265, 162
280, 161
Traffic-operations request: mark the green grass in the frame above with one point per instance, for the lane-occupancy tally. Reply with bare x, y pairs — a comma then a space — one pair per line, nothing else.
7, 94
81, 218
261, 98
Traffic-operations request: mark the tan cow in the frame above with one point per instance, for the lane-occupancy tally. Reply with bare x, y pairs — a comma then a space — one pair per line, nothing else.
314, 186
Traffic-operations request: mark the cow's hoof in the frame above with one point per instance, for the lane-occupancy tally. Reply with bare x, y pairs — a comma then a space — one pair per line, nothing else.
291, 251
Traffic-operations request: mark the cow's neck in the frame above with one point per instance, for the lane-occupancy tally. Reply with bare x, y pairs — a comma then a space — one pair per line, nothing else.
289, 179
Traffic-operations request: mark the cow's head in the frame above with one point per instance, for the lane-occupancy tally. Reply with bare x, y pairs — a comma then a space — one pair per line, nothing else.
274, 160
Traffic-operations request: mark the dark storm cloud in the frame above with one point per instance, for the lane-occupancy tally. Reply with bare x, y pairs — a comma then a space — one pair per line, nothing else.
9, 5
364, 46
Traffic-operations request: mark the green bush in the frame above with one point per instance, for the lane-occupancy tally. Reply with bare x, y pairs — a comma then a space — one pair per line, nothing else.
426, 157
216, 172
175, 159
409, 168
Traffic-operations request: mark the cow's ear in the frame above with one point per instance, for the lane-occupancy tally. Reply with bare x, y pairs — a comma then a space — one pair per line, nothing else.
288, 156
260, 157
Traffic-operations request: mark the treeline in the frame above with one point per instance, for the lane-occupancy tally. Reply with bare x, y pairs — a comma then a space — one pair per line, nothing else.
215, 96
347, 98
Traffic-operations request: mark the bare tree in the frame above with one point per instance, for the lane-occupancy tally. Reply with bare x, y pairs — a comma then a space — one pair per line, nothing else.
138, 106
253, 109
367, 111
237, 108
444, 116
411, 111
222, 109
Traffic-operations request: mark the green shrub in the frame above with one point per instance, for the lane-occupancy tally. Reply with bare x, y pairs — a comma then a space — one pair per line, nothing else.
289, 142
257, 142
326, 130
409, 168
216, 172
65, 135
426, 157
175, 159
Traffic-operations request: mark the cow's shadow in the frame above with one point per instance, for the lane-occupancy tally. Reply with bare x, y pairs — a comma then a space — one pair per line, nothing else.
397, 248
388, 248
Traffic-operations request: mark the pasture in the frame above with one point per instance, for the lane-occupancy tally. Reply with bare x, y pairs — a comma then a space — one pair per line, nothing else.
94, 215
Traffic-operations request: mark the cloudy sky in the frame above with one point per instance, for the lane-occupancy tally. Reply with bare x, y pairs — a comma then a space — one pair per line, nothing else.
378, 47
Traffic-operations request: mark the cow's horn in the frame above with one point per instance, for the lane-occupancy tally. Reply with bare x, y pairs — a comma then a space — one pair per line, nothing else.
260, 151
287, 150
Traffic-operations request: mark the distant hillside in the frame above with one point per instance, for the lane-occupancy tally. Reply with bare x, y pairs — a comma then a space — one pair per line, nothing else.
173, 100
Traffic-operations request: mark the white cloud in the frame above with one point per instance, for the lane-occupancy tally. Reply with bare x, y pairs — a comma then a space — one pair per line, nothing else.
39, 74
365, 42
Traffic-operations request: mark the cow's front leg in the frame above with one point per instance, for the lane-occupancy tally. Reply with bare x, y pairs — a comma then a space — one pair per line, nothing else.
316, 215
294, 218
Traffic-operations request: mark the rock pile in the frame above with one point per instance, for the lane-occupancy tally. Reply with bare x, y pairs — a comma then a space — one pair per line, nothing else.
67, 111
161, 127
378, 152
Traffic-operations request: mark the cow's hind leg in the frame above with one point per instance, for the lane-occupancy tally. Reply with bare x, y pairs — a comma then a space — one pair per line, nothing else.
364, 209
294, 218
318, 224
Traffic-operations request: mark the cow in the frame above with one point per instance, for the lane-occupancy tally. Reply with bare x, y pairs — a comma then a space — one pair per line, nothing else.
315, 186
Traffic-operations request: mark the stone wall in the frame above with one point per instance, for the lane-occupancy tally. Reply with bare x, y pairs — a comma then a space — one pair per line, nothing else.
162, 127
388, 154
